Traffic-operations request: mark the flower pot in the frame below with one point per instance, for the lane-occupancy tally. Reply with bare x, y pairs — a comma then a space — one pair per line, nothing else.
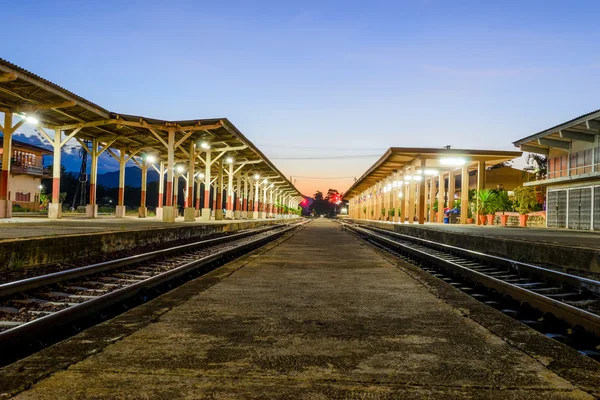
470, 220
503, 220
523, 219
482, 219
490, 219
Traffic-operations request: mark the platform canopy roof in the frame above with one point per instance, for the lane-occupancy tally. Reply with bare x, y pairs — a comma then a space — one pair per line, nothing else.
584, 128
55, 108
436, 160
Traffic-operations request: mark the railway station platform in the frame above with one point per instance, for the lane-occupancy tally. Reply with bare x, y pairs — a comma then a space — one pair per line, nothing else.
34, 242
316, 314
570, 251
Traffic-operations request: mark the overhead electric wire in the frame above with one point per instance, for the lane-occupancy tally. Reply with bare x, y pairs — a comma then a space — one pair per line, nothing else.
326, 157
322, 177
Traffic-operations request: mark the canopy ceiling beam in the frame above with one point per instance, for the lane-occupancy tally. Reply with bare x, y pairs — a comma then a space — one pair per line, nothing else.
134, 124
584, 137
592, 124
29, 108
554, 143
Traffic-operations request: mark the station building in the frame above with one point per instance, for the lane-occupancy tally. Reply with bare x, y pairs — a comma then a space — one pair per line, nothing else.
572, 180
26, 173
221, 168
410, 180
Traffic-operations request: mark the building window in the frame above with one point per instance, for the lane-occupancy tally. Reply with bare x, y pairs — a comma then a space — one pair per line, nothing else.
19, 196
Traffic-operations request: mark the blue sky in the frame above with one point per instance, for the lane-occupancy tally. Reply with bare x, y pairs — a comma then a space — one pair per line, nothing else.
324, 78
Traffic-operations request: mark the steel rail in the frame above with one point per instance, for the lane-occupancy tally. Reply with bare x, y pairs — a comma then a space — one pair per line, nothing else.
7, 289
518, 266
563, 311
28, 330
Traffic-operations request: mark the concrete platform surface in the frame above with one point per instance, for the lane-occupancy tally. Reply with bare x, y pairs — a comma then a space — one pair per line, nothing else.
566, 237
321, 315
29, 227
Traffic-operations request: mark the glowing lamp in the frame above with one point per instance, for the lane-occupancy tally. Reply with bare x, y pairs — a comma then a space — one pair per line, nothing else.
150, 159
452, 161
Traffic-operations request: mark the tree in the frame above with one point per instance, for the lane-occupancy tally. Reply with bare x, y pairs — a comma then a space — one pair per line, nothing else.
325, 205
333, 196
537, 163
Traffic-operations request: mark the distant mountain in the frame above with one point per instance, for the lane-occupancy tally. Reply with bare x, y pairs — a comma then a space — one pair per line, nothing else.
133, 177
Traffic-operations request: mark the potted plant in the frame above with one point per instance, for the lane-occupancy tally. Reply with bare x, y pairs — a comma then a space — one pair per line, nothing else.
484, 199
471, 209
526, 201
391, 214
383, 216
503, 204
492, 208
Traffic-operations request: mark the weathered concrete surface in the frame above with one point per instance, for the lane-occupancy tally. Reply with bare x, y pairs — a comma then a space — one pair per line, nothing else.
68, 240
320, 316
568, 251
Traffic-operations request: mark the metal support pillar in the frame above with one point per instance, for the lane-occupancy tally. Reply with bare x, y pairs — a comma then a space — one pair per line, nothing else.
143, 210
431, 199
5, 202
229, 204
206, 210
451, 189
169, 208
440, 198
464, 192
189, 213
198, 184
480, 185
219, 197
238, 197
264, 203
161, 190
422, 192
120, 209
255, 212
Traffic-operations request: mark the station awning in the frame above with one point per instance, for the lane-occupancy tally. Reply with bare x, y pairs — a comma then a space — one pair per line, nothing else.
436, 159
584, 128
55, 108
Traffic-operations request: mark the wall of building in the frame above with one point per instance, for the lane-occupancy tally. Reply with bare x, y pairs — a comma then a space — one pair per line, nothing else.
508, 177
21, 185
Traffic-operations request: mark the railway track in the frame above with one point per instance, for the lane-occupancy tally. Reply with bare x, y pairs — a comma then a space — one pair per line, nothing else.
31, 309
562, 306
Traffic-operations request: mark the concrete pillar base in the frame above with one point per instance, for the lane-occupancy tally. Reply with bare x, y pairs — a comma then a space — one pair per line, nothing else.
54, 210
91, 211
196, 213
158, 212
218, 214
143, 212
255, 215
263, 215
237, 214
229, 214
189, 214
270, 215
120, 211
168, 214
6, 209
244, 214
205, 216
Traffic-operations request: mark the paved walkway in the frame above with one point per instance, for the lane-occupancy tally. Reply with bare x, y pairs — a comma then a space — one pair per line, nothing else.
319, 316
